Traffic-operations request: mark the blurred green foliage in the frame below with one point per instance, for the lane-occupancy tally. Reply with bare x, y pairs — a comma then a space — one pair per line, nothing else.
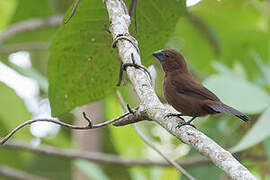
227, 47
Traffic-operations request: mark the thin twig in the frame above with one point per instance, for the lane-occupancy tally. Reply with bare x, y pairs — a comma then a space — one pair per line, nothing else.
17, 174
33, 46
133, 8
149, 143
106, 28
135, 19
172, 162
30, 25
88, 126
120, 77
73, 11
121, 101
123, 67
101, 158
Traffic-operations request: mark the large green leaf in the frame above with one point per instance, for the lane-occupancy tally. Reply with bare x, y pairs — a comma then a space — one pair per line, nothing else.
256, 134
242, 95
84, 68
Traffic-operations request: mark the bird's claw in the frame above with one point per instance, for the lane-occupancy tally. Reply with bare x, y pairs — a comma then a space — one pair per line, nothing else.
185, 124
174, 115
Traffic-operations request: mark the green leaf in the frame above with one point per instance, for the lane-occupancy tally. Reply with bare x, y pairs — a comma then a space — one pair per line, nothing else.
13, 112
91, 170
7, 9
156, 25
209, 172
256, 134
84, 68
240, 94
82, 65
170, 173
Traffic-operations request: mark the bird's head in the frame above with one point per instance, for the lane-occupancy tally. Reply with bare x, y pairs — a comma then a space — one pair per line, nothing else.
171, 60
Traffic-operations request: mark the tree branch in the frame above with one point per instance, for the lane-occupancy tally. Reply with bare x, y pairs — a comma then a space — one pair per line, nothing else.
103, 158
99, 157
29, 25
150, 144
16, 174
155, 110
88, 126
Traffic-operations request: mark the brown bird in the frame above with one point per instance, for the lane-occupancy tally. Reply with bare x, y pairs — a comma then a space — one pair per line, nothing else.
185, 93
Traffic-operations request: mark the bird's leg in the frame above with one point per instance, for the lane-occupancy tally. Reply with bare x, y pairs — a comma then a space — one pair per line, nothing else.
187, 123
175, 115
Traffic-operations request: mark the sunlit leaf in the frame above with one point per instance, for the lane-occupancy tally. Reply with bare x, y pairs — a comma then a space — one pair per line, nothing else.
91, 170
221, 68
6, 11
242, 95
256, 134
170, 173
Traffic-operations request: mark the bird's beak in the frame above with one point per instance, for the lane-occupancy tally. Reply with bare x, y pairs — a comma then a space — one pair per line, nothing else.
159, 55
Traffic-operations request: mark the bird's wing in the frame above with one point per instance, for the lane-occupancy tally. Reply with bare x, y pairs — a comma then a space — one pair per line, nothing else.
190, 87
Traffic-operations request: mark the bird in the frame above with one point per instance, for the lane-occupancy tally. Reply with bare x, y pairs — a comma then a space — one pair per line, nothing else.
185, 93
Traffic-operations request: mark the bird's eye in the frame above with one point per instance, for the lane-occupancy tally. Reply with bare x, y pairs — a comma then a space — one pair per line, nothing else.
167, 55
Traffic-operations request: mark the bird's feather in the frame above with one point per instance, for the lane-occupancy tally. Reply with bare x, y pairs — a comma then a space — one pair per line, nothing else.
193, 88
227, 109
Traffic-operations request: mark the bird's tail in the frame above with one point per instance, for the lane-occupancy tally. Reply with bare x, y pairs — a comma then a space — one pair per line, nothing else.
227, 109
